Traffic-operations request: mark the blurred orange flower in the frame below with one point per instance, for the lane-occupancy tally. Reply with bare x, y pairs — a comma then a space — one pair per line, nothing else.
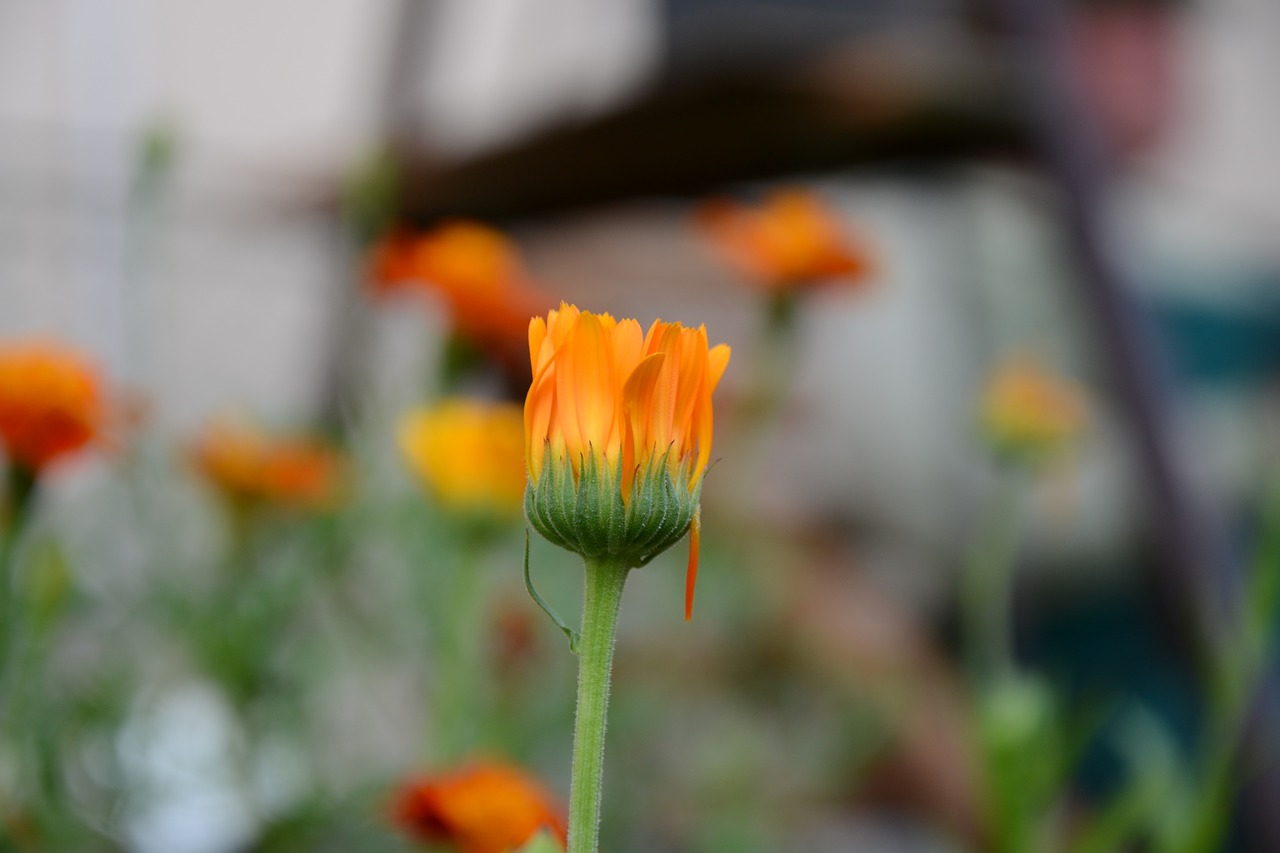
475, 268
1030, 412
483, 808
249, 467
469, 453
791, 241
51, 403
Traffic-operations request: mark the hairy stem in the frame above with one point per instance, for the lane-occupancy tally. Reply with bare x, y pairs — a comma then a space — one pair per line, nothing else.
603, 594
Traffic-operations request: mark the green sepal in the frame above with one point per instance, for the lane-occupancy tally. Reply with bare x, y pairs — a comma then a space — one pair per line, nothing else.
585, 513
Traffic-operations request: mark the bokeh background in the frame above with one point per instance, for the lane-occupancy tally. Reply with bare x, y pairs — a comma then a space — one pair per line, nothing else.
189, 195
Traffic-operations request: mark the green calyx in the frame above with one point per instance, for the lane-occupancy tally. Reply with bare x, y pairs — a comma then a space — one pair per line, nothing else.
586, 514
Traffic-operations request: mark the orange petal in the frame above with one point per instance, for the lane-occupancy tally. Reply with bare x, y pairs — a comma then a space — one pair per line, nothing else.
689, 385
637, 402
539, 411
537, 334
717, 363
691, 575
584, 387
628, 348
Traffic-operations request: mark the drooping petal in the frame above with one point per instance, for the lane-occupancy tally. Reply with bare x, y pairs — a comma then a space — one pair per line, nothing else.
691, 574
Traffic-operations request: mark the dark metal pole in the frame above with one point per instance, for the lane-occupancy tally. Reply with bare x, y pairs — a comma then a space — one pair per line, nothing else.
1194, 554
348, 341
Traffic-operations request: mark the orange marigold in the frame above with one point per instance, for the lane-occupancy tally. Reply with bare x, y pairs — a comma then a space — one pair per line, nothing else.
789, 242
249, 467
475, 268
618, 429
51, 403
484, 808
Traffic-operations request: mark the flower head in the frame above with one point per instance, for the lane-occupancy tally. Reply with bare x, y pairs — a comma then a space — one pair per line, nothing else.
618, 429
1030, 413
51, 404
251, 468
790, 242
469, 453
475, 268
483, 808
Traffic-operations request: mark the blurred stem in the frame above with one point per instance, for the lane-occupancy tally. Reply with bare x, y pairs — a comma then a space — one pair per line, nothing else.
459, 667
773, 369
21, 492
1235, 680
601, 599
21, 489
988, 584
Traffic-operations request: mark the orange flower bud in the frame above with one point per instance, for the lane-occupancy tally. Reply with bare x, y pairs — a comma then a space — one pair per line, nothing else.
483, 808
618, 430
50, 404
475, 268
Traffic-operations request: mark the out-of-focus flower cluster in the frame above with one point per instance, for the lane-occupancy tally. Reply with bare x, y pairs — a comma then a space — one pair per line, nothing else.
482, 808
250, 468
469, 454
51, 404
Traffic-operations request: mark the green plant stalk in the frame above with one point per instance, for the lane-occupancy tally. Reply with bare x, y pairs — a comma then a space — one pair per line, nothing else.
461, 671
987, 586
1240, 670
21, 489
601, 599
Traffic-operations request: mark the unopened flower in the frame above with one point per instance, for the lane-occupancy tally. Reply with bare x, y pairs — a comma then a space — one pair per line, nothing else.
469, 454
618, 428
51, 404
789, 242
251, 468
483, 808
1030, 413
475, 268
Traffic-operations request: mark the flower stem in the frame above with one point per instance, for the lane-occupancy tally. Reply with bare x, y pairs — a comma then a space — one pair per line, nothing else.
988, 585
21, 487
604, 583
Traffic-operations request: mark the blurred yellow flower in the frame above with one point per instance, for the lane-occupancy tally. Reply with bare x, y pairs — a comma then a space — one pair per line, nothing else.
469, 454
51, 403
618, 427
1031, 413
484, 808
475, 268
791, 241
250, 468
